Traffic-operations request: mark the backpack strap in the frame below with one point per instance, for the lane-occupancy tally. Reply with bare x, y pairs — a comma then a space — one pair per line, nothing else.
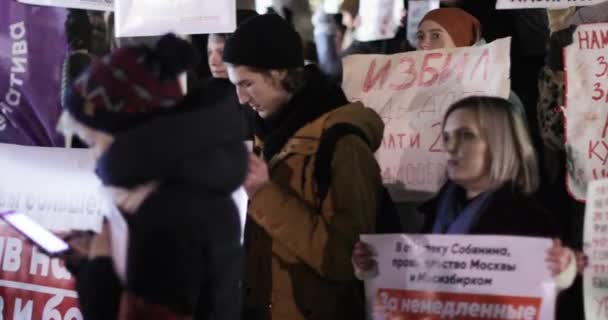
325, 154
387, 217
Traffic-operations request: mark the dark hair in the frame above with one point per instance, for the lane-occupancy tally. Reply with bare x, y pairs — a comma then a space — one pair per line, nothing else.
172, 55
78, 30
338, 22
310, 51
294, 81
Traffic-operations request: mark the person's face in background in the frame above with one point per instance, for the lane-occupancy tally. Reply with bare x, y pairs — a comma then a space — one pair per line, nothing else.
469, 157
215, 51
261, 91
100, 45
432, 35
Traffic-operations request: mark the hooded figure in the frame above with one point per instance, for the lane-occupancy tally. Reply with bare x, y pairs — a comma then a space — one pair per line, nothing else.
172, 162
302, 221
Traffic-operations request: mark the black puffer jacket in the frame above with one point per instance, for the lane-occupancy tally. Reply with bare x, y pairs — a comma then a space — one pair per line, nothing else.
224, 92
184, 246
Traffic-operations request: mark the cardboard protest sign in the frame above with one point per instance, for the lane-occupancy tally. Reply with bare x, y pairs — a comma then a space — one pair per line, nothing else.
379, 19
416, 10
32, 49
431, 277
152, 18
586, 108
411, 92
102, 5
551, 4
57, 188
595, 277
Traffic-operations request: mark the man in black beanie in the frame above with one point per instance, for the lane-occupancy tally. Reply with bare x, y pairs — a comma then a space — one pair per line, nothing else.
316, 185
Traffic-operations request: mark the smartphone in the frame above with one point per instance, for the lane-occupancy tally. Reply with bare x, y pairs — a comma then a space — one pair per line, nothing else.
49, 243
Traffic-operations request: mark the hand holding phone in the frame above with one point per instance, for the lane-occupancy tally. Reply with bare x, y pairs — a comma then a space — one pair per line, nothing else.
48, 242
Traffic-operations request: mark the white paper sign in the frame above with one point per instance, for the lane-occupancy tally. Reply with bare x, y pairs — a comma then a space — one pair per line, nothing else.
586, 108
595, 277
102, 5
379, 19
551, 4
416, 10
432, 277
54, 186
153, 18
57, 188
411, 92
331, 6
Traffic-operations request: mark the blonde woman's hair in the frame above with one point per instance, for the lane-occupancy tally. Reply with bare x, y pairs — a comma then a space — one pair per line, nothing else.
512, 155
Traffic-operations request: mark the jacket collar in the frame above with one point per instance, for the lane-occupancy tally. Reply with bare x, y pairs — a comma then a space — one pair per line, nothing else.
316, 98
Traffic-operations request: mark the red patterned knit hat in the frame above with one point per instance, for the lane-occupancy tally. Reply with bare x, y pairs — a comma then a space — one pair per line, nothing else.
131, 85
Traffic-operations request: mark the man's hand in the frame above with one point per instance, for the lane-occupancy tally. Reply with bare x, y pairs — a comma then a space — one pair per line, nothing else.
257, 176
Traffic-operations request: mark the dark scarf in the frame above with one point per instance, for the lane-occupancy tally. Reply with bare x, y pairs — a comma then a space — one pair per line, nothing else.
455, 215
316, 98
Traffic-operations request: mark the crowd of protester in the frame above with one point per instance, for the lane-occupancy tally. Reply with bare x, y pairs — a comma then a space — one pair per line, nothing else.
172, 158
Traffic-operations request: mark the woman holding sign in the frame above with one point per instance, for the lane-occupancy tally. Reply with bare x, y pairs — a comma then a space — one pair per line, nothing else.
492, 171
447, 28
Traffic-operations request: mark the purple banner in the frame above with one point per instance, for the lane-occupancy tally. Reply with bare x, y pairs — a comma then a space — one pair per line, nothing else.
32, 49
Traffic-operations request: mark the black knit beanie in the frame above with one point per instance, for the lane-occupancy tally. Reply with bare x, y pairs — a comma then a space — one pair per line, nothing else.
267, 42
244, 14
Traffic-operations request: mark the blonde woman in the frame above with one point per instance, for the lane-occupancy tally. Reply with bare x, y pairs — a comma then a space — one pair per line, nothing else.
492, 171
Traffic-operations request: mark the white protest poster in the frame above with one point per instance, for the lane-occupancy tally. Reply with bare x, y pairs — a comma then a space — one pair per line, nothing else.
586, 109
379, 19
152, 18
595, 277
57, 188
331, 6
416, 10
101, 5
411, 92
54, 186
550, 4
432, 277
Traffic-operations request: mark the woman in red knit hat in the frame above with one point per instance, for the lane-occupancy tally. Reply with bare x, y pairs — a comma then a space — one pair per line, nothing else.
447, 28
452, 28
